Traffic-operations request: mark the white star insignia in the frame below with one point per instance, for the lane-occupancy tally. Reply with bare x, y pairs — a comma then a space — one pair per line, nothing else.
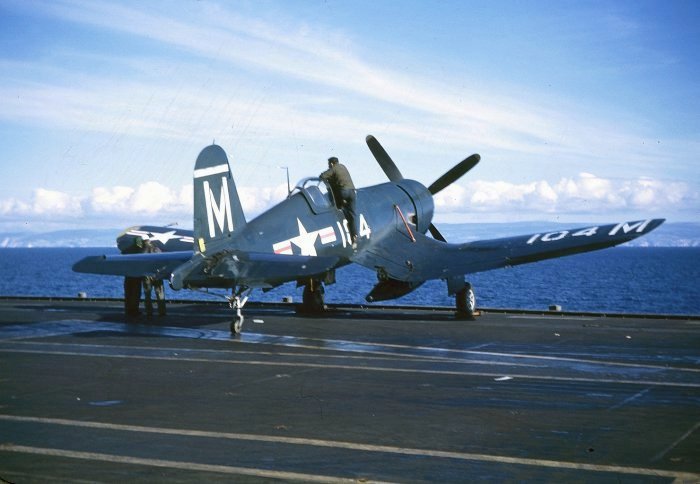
164, 237
306, 241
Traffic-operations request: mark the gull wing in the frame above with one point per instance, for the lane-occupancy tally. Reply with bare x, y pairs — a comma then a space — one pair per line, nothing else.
252, 269
263, 269
396, 256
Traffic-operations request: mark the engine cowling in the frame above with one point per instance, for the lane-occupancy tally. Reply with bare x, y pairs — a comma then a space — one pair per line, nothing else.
422, 203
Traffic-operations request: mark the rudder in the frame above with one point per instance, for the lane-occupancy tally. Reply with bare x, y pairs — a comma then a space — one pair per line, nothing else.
217, 207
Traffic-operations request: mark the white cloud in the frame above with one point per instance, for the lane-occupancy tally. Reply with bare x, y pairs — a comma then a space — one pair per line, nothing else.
257, 200
576, 197
43, 203
150, 200
115, 199
147, 198
55, 202
584, 194
648, 193
152, 197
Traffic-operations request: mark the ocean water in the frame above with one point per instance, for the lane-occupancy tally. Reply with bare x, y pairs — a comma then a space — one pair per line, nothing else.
655, 280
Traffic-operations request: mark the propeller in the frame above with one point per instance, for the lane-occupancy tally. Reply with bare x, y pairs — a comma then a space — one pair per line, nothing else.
383, 158
454, 173
394, 175
436, 233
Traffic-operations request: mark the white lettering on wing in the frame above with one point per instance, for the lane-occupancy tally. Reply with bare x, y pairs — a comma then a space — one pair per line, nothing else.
630, 226
625, 227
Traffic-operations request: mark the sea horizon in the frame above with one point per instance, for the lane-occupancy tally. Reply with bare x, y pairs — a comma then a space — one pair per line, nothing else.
637, 280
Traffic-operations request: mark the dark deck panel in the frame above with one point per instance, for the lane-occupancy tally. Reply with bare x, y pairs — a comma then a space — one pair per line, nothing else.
357, 394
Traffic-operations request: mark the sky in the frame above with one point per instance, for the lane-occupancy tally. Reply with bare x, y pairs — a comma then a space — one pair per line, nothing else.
581, 111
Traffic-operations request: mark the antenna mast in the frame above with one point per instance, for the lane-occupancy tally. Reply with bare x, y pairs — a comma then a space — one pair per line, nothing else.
289, 187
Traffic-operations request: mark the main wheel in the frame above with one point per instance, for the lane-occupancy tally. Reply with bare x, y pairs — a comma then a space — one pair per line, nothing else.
312, 298
466, 302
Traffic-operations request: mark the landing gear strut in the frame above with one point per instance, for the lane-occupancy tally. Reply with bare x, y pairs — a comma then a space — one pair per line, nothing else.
466, 302
312, 298
236, 302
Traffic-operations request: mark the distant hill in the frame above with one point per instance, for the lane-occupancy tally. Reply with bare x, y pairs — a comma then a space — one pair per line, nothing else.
674, 234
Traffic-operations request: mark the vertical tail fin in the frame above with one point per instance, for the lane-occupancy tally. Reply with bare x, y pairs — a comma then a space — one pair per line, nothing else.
217, 208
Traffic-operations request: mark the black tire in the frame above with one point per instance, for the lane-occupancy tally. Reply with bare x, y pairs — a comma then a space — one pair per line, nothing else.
237, 325
465, 301
312, 299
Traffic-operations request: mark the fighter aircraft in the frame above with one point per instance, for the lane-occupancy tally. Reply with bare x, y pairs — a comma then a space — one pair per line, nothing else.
305, 238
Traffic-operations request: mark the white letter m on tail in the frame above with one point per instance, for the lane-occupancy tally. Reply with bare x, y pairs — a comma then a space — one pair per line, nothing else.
221, 211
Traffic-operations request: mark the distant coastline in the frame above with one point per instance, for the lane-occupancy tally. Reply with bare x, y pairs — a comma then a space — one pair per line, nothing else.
670, 234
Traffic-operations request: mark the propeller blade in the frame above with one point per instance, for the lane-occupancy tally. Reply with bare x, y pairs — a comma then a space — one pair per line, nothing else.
436, 233
453, 175
383, 159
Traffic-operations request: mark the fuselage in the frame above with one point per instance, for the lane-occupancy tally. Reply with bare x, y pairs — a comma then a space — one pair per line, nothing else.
310, 223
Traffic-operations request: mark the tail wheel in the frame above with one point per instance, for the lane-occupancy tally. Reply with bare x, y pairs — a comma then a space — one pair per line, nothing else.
237, 325
237, 303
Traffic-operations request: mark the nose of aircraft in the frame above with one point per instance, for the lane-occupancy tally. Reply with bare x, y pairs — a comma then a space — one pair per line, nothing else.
394, 175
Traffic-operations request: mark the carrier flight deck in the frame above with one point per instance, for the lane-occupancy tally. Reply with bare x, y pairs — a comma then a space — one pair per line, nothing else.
355, 395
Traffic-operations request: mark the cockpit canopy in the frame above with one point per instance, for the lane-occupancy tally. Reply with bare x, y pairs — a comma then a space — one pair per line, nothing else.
317, 193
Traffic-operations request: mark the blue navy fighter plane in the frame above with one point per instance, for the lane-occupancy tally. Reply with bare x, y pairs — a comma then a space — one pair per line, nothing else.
305, 238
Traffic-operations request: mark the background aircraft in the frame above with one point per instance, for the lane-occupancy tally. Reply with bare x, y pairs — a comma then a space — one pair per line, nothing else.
305, 238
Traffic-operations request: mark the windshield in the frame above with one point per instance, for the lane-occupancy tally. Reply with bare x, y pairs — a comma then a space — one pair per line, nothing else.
316, 192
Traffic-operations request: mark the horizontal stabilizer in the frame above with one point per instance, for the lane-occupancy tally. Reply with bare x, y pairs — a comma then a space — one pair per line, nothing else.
159, 264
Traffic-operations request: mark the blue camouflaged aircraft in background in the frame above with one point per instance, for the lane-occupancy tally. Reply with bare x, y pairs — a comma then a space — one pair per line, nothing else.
305, 238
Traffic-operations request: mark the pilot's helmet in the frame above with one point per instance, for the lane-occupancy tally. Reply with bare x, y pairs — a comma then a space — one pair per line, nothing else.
332, 161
